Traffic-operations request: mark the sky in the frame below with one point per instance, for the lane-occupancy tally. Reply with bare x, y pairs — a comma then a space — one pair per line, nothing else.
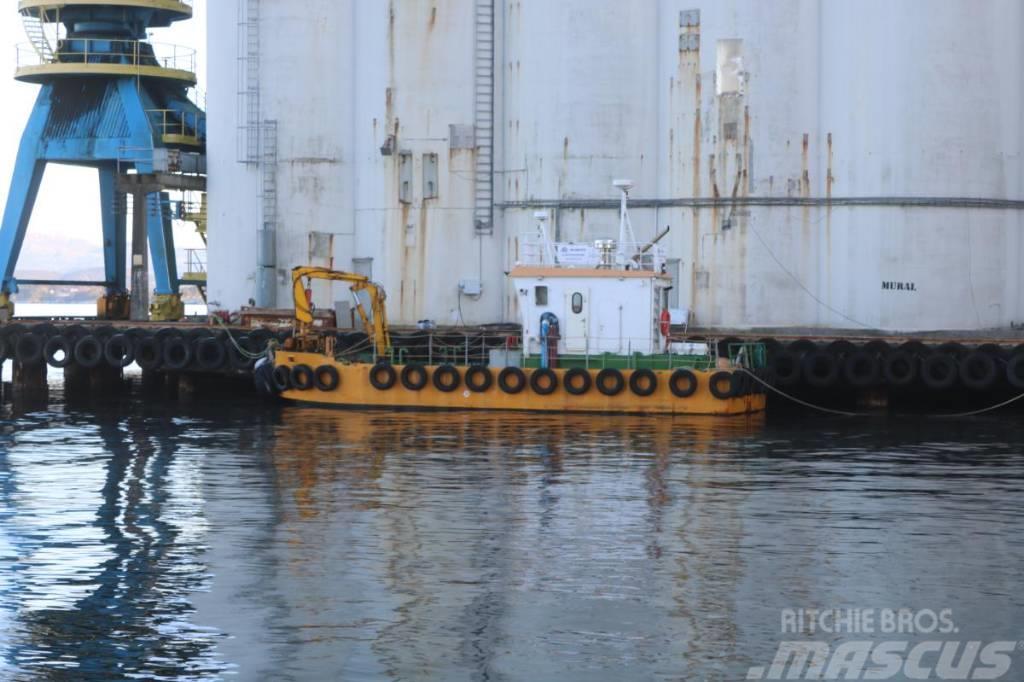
68, 206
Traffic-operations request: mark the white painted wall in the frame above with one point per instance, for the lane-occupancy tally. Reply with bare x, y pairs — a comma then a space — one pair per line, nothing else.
920, 99
620, 315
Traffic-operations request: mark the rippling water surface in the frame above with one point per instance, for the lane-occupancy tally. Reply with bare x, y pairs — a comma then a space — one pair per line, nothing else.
210, 540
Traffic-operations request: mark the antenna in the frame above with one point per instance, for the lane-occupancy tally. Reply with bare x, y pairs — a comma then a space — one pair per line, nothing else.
626, 238
542, 230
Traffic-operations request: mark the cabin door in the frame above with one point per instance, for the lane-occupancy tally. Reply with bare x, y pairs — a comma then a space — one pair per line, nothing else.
577, 321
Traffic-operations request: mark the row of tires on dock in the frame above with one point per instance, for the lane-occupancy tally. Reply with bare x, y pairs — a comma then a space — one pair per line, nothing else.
909, 365
169, 349
447, 378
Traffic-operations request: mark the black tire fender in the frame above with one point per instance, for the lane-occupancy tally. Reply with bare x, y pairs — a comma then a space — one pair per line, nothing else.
302, 377
149, 353
58, 344
281, 378
89, 352
177, 353
683, 383
787, 368
28, 349
326, 378
478, 378
900, 368
210, 354
862, 369
577, 381
1015, 371
543, 381
643, 382
609, 381
453, 381
715, 385
383, 376
119, 351
235, 359
939, 371
414, 377
512, 380
978, 371
820, 369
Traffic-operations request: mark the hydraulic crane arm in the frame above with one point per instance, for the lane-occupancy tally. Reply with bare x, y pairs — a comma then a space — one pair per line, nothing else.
377, 326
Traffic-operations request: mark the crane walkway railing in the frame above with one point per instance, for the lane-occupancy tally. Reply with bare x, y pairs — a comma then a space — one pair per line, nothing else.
108, 52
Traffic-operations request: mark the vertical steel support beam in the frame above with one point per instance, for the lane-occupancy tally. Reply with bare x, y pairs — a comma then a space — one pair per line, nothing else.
160, 229
140, 261
115, 230
28, 174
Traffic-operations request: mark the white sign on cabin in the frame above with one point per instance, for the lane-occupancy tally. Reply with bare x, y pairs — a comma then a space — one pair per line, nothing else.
578, 255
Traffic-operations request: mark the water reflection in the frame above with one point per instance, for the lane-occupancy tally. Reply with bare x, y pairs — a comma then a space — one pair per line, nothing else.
104, 521
460, 543
300, 544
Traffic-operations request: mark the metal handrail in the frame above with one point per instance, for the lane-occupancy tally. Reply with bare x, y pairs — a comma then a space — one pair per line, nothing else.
457, 347
195, 262
111, 52
176, 122
533, 251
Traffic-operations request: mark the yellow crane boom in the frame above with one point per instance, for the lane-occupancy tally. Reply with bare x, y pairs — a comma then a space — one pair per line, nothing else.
377, 326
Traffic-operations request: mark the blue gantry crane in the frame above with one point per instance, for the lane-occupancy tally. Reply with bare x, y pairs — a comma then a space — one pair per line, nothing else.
114, 101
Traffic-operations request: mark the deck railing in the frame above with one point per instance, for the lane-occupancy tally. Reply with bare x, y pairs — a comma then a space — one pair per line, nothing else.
173, 123
195, 263
538, 252
505, 347
110, 52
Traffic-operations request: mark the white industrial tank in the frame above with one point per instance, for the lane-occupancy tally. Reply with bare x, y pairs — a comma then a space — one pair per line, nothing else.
821, 164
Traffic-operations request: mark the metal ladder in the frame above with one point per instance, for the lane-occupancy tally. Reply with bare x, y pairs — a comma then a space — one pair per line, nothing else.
483, 113
35, 29
249, 82
268, 175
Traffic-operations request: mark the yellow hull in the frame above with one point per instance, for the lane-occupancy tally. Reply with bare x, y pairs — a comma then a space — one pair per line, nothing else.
355, 390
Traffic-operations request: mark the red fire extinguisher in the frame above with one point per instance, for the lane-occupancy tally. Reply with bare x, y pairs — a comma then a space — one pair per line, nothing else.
666, 325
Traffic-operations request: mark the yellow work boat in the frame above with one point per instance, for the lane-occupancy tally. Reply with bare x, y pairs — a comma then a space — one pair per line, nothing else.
595, 337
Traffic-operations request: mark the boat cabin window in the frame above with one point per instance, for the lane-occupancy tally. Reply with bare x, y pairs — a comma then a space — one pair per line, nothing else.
577, 303
540, 295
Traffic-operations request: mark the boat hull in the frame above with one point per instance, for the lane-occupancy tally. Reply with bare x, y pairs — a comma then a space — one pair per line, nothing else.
356, 390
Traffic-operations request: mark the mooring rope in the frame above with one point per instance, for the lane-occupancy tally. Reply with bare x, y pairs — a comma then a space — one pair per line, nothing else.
827, 410
844, 413
245, 353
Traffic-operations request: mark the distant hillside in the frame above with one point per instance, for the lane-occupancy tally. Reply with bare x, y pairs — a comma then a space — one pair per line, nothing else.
78, 260
46, 254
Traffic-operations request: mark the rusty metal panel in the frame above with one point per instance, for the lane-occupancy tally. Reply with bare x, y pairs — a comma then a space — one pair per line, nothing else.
430, 176
461, 136
405, 173
676, 95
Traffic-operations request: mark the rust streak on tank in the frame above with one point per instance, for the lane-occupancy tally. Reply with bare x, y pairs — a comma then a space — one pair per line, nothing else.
421, 266
746, 149
805, 176
696, 138
828, 176
402, 231
697, 132
713, 177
